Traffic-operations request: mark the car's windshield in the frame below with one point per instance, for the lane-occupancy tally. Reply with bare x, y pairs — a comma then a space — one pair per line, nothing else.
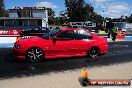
50, 34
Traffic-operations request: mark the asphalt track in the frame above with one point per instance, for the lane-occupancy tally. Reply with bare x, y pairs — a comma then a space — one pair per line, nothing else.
119, 52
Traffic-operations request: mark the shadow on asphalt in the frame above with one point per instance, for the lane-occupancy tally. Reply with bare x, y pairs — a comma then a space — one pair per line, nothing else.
10, 67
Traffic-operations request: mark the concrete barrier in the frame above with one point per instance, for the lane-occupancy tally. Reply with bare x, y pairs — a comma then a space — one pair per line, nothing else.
7, 41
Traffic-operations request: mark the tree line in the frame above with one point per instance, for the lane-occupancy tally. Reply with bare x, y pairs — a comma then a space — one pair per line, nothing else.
76, 10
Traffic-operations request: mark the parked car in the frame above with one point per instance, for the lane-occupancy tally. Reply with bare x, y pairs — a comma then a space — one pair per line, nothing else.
35, 31
66, 42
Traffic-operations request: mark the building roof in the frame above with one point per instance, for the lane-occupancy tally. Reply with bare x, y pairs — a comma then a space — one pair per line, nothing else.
11, 18
25, 9
28, 8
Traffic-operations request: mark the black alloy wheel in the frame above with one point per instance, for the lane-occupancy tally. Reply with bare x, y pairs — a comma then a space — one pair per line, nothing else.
35, 55
94, 52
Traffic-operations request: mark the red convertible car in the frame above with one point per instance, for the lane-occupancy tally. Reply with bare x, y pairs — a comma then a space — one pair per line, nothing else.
66, 42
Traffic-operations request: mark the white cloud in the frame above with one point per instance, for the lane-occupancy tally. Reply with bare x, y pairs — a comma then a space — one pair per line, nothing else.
102, 1
111, 8
116, 9
46, 4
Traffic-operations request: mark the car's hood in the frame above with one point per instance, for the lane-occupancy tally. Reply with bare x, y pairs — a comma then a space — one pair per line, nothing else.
29, 40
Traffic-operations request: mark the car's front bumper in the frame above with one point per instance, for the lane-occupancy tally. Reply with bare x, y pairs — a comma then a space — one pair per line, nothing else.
19, 53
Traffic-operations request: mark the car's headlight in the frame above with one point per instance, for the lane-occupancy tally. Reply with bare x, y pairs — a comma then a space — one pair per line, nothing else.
17, 46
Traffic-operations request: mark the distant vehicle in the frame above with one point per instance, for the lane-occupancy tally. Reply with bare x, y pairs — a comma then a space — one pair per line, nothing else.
66, 42
35, 31
121, 26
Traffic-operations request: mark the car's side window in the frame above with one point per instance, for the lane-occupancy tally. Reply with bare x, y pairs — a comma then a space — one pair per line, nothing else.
74, 35
66, 35
81, 34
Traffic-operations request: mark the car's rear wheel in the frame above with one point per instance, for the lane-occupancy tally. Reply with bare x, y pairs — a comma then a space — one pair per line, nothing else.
34, 55
94, 52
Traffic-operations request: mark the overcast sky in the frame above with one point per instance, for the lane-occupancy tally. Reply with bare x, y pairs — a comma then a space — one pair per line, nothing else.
107, 8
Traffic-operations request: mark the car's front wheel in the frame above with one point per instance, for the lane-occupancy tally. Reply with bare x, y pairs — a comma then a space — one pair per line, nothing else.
94, 52
34, 55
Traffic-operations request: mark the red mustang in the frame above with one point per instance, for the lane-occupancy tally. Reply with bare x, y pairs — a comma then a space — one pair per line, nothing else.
66, 42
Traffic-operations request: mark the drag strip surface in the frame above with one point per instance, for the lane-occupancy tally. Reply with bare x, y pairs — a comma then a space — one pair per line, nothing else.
119, 52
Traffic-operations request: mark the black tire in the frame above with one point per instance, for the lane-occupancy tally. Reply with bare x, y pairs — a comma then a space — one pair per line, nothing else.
94, 52
34, 55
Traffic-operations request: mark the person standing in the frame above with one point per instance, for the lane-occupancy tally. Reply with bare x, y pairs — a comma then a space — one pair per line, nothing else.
109, 32
114, 33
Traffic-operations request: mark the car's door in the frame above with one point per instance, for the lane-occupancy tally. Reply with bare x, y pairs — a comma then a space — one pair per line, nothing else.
61, 45
81, 43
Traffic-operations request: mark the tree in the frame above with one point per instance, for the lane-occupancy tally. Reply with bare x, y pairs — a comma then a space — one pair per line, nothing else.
129, 19
78, 10
74, 9
88, 12
63, 17
2, 9
51, 15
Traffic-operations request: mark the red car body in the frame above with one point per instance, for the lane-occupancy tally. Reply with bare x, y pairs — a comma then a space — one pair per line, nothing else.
54, 46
